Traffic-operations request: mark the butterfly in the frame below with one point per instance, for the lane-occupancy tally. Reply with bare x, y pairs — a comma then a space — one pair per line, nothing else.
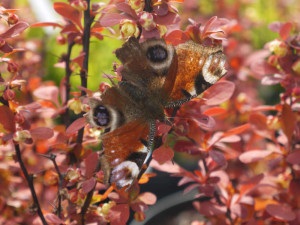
155, 76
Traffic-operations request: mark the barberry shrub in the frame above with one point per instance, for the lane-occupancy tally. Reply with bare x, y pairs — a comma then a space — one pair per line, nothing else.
246, 144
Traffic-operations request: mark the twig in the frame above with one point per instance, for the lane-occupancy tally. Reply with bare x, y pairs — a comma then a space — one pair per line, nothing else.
88, 19
52, 157
68, 71
29, 179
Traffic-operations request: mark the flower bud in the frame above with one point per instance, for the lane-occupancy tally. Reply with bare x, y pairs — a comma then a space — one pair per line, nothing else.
129, 28
146, 21
80, 5
137, 5
2, 42
296, 67
75, 105
22, 136
162, 29
9, 94
61, 40
279, 48
12, 19
12, 67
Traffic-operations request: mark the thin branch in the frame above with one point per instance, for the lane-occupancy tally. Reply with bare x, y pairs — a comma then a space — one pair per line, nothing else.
29, 179
68, 72
88, 19
52, 157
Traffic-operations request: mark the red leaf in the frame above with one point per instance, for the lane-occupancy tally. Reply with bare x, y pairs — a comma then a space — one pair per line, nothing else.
79, 59
168, 167
111, 19
75, 126
68, 12
41, 133
7, 119
250, 184
47, 93
219, 93
281, 212
215, 111
119, 214
236, 130
148, 198
285, 30
289, 121
53, 219
294, 157
88, 185
176, 37
91, 162
46, 24
14, 30
258, 122
254, 155
218, 157
163, 154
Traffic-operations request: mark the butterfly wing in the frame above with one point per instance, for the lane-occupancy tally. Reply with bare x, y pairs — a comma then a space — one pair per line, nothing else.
197, 68
125, 152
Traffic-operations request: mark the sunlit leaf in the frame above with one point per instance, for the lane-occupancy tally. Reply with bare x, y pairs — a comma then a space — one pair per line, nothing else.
76, 126
163, 154
219, 93
254, 156
281, 212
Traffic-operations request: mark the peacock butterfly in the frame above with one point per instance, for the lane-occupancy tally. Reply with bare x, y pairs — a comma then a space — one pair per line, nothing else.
155, 76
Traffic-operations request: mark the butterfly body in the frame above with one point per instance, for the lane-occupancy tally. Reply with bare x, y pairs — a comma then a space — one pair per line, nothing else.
155, 76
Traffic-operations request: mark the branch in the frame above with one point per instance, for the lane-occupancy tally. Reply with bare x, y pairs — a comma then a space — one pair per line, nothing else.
68, 71
88, 19
52, 157
29, 179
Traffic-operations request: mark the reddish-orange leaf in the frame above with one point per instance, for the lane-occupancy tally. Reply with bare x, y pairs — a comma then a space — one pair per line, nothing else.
46, 24
219, 93
42, 133
14, 30
7, 119
75, 126
288, 121
68, 12
163, 154
281, 212
236, 130
214, 111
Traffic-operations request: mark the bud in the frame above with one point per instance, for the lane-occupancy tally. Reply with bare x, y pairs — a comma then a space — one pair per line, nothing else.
61, 40
2, 42
19, 118
129, 28
12, 67
12, 19
279, 48
137, 5
75, 105
146, 21
80, 5
296, 67
162, 29
9, 94
73, 176
22, 136
78, 39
